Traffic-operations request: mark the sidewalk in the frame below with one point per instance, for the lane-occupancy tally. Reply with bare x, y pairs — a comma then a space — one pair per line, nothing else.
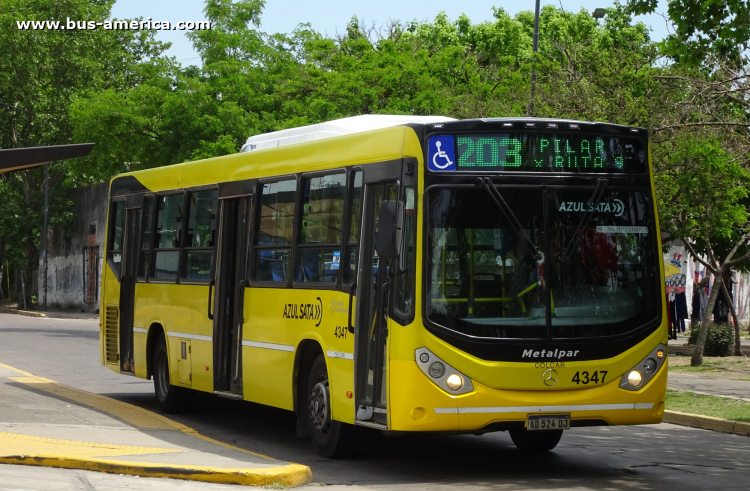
52, 313
49, 424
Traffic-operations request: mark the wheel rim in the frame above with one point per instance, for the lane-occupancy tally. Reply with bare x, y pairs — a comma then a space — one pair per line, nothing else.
162, 375
318, 405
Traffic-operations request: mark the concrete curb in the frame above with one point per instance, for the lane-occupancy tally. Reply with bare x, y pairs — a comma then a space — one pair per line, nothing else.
5, 310
707, 423
289, 475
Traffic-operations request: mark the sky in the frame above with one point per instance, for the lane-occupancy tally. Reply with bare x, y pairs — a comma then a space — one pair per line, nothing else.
331, 16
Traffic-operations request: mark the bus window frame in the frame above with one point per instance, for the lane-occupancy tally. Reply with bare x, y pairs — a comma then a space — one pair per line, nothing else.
183, 239
111, 234
398, 315
154, 249
255, 227
345, 244
152, 228
320, 285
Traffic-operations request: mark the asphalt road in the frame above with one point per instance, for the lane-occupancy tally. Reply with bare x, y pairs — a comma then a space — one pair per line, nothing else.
634, 458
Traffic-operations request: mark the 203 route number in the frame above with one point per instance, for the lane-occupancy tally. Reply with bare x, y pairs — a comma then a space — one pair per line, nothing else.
585, 378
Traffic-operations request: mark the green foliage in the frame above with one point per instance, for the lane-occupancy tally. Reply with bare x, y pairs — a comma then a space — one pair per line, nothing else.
719, 340
41, 73
703, 27
701, 190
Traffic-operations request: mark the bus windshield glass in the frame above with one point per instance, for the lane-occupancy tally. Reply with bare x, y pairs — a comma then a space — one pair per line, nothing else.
590, 270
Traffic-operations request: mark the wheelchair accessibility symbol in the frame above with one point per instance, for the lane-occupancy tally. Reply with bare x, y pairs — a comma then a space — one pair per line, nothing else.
441, 153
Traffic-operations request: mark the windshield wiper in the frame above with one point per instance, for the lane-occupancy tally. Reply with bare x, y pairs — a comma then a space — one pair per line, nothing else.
494, 193
591, 204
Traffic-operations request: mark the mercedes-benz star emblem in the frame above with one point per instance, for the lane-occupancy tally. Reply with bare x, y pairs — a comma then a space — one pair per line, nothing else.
550, 377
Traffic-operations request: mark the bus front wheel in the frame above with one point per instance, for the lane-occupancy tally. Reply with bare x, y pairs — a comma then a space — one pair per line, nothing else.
535, 441
167, 395
330, 438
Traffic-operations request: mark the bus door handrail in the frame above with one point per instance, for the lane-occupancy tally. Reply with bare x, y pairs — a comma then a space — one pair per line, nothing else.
210, 295
352, 290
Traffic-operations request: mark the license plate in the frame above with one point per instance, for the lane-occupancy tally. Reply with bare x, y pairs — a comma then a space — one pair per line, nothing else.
548, 422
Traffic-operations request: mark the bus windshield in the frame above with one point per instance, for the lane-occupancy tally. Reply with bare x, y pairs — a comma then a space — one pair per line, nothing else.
590, 269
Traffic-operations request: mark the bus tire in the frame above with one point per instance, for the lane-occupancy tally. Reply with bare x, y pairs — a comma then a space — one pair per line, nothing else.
533, 441
330, 438
167, 395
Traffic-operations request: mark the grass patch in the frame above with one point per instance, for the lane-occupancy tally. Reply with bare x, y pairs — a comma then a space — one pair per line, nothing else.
718, 407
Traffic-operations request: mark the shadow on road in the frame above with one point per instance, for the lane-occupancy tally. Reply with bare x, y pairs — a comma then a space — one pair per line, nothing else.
584, 457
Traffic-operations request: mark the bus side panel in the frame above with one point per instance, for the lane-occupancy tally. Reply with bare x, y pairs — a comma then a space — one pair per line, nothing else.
276, 322
182, 312
110, 303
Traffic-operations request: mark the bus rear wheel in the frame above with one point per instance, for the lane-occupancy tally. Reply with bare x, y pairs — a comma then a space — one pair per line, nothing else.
535, 441
330, 438
167, 395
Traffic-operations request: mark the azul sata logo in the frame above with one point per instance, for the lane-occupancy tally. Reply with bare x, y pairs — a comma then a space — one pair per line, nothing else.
616, 207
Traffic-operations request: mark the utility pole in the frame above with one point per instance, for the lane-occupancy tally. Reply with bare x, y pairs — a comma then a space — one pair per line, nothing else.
536, 50
44, 230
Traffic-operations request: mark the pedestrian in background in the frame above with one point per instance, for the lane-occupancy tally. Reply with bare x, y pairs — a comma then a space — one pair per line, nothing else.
681, 311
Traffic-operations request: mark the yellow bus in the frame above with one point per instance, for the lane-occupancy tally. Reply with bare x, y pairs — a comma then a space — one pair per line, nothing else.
406, 274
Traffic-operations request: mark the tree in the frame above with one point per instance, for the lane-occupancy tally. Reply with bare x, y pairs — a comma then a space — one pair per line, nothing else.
41, 71
703, 200
703, 28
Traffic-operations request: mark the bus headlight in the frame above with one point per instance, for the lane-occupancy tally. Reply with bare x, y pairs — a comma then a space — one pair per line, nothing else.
454, 381
442, 374
635, 378
642, 373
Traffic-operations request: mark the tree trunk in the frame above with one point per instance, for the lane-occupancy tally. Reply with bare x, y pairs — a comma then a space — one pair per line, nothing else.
700, 343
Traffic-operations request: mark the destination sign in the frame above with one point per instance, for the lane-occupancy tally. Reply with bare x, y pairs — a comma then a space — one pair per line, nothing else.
538, 152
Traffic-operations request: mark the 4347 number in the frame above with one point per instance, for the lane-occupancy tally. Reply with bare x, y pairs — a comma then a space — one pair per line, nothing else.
585, 378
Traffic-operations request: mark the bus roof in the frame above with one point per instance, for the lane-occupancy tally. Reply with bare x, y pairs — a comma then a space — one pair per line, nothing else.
336, 127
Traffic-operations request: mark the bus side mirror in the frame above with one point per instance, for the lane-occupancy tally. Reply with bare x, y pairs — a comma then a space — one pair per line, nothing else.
390, 229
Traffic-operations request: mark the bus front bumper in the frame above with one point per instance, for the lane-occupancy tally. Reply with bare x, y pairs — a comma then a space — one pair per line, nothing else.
417, 404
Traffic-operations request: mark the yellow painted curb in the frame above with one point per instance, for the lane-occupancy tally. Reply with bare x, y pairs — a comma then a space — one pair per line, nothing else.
707, 423
288, 474
4, 310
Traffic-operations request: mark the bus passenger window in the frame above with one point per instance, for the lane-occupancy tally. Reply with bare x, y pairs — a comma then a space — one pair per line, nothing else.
273, 244
201, 235
145, 246
355, 222
117, 234
167, 238
322, 228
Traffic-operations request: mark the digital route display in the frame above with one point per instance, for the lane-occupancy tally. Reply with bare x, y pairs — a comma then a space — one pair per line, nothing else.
538, 152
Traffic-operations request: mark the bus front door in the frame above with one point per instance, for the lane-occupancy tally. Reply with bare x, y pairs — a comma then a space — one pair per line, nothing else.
371, 331
127, 287
230, 282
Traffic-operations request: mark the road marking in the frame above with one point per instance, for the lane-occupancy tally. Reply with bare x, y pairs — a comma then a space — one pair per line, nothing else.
136, 416
15, 444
